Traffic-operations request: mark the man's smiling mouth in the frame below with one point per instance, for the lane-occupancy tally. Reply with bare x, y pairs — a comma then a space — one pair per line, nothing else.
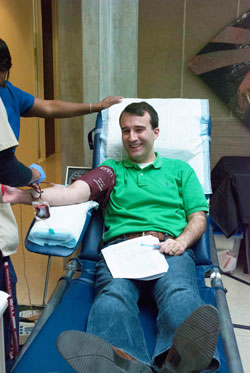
134, 145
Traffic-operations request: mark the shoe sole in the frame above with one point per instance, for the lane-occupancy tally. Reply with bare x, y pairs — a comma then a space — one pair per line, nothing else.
196, 339
91, 354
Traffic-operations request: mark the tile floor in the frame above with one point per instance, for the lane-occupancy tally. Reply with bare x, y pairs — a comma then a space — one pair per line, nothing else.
30, 286
238, 298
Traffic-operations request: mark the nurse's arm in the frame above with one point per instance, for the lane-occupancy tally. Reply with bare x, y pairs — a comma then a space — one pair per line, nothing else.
64, 109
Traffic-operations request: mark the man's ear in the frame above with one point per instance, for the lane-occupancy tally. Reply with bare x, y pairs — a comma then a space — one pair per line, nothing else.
156, 132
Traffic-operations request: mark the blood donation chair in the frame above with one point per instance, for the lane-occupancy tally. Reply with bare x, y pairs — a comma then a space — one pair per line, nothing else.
184, 134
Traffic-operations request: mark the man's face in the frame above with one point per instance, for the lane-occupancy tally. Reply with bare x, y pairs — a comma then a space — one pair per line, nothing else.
138, 137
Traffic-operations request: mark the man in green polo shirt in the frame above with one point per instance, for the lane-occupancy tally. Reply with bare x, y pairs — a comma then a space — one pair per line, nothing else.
144, 194
175, 185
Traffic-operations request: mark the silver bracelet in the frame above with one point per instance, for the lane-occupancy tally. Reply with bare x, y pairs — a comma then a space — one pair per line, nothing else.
90, 108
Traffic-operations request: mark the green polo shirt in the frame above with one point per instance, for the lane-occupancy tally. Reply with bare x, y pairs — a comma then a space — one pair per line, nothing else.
158, 197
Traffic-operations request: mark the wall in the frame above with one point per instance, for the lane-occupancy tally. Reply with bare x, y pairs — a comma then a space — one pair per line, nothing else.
170, 34
70, 79
110, 37
97, 45
17, 29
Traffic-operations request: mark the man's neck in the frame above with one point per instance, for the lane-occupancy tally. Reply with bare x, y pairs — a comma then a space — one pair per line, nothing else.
150, 159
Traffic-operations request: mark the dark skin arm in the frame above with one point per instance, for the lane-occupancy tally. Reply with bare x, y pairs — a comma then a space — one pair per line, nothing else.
63, 109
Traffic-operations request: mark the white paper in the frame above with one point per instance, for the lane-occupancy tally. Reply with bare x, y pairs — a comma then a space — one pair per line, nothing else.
136, 259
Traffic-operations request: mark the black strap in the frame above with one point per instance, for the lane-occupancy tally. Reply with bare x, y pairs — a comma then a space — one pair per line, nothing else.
237, 279
239, 326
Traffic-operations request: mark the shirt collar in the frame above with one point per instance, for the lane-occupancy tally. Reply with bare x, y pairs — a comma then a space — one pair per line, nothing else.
156, 164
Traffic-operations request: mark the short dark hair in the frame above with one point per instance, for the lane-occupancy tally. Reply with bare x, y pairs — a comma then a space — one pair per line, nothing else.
140, 108
5, 57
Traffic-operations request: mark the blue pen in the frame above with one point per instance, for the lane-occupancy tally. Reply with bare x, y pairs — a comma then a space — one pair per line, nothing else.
148, 245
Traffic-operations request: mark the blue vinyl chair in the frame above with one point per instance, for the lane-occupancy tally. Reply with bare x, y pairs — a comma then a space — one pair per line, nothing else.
50, 250
69, 305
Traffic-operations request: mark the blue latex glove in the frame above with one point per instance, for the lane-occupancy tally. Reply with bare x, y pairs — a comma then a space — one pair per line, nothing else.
40, 170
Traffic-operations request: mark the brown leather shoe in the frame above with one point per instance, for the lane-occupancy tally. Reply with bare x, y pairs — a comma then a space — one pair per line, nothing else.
87, 353
194, 342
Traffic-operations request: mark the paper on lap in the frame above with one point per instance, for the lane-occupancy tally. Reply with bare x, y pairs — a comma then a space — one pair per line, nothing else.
136, 259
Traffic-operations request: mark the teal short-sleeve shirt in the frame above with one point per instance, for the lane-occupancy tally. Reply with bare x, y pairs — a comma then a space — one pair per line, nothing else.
158, 197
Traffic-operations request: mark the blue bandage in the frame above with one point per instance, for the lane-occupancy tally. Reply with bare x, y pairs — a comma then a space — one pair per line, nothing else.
40, 170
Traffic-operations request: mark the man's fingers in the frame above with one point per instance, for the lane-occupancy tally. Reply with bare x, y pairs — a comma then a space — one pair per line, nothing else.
171, 247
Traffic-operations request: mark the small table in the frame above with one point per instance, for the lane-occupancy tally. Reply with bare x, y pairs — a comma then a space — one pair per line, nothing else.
230, 202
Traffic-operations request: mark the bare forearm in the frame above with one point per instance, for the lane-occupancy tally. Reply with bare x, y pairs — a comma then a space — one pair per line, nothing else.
58, 195
194, 229
62, 109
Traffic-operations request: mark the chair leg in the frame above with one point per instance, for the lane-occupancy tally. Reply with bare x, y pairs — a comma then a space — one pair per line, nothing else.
46, 281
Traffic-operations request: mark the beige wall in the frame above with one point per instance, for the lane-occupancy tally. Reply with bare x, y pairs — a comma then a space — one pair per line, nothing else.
170, 34
70, 79
16, 28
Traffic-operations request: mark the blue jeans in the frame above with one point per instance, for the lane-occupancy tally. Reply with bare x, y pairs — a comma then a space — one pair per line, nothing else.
114, 314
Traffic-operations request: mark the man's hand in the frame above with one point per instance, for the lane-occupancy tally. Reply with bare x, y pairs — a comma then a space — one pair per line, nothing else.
194, 229
171, 247
108, 101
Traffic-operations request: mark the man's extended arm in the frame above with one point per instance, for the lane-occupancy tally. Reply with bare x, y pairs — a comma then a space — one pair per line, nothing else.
62, 109
96, 184
57, 195
194, 229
